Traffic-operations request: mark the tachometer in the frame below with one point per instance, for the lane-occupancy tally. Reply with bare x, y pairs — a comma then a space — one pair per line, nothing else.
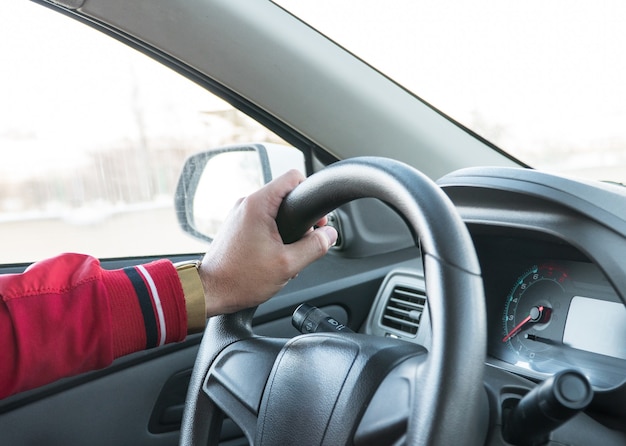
533, 319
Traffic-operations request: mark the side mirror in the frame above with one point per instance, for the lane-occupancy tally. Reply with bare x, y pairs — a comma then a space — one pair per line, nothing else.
212, 181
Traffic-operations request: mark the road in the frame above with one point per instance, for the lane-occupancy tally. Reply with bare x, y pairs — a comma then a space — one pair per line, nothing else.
147, 232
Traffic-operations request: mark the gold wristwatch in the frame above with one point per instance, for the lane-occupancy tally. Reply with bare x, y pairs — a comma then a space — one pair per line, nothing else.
194, 294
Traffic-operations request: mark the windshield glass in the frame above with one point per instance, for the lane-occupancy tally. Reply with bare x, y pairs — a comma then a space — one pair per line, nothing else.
544, 81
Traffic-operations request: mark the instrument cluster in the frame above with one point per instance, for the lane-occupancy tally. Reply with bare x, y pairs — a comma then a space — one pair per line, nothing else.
550, 309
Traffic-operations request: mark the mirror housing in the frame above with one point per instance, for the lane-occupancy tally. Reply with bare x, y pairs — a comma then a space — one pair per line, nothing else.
212, 181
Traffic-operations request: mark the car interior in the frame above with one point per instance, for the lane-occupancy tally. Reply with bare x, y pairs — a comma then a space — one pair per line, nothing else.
470, 298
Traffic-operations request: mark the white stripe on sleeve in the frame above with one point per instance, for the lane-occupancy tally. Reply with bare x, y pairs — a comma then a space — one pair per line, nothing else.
157, 302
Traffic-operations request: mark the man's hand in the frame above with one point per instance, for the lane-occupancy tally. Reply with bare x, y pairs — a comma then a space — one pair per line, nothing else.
247, 262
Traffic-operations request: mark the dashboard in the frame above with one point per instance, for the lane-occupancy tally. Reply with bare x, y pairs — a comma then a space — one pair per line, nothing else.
551, 254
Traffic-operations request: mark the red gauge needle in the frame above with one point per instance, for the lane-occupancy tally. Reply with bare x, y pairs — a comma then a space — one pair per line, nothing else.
536, 314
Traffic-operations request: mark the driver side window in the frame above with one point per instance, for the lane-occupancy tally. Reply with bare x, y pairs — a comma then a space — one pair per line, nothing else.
93, 136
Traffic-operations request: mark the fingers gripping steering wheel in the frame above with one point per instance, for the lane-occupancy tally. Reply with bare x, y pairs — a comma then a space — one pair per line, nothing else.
315, 389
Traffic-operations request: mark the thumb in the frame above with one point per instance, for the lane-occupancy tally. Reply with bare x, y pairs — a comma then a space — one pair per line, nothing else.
312, 246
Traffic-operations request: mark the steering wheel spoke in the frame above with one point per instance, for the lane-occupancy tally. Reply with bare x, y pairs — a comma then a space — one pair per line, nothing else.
386, 419
237, 378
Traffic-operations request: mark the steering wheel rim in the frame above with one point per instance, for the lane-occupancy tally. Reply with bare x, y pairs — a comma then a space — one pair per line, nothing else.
446, 405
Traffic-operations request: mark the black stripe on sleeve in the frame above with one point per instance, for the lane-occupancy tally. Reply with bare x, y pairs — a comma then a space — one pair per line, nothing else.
145, 302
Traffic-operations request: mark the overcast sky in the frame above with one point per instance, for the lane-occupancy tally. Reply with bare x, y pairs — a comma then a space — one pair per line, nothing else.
542, 79
534, 76
45, 55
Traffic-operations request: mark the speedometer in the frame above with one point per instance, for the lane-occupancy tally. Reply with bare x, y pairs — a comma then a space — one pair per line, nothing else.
532, 319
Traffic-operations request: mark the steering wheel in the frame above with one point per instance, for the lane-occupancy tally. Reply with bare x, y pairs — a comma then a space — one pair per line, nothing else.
332, 389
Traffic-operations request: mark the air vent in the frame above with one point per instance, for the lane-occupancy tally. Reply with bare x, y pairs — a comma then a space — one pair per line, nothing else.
404, 309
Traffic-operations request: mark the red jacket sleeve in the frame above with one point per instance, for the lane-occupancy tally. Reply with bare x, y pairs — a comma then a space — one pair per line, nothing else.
67, 315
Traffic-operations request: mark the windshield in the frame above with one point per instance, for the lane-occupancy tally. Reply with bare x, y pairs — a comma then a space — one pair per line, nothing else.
544, 81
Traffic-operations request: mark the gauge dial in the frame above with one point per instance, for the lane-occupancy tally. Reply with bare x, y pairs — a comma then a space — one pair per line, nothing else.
532, 321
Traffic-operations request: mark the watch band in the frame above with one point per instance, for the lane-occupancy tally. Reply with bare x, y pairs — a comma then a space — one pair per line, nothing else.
194, 294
